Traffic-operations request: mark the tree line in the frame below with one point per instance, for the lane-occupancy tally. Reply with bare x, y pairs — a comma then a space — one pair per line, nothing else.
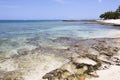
111, 14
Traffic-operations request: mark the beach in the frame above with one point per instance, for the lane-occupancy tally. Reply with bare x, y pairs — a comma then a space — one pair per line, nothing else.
93, 59
57, 50
114, 22
59, 39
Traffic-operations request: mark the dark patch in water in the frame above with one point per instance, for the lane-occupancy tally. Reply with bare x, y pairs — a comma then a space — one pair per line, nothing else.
33, 41
66, 40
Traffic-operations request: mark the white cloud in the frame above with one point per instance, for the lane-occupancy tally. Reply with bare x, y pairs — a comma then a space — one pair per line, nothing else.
99, 0
60, 1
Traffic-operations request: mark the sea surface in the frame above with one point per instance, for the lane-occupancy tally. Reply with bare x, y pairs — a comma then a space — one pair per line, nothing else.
29, 34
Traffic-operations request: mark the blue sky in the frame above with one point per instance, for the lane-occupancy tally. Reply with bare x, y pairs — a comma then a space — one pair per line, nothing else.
55, 9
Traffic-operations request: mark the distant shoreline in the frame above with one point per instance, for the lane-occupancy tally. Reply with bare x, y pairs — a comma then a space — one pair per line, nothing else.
112, 22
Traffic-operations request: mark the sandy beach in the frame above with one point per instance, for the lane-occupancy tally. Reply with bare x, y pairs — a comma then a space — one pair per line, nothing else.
109, 74
115, 22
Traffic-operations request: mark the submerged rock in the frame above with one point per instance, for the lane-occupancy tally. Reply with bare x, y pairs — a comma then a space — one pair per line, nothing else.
65, 40
23, 51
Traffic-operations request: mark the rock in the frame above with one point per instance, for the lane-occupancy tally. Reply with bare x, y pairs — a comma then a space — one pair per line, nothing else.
57, 74
82, 78
23, 51
11, 75
84, 60
115, 60
94, 74
77, 66
104, 66
69, 66
87, 56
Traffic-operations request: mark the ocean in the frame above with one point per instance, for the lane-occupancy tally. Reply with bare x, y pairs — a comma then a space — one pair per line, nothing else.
19, 34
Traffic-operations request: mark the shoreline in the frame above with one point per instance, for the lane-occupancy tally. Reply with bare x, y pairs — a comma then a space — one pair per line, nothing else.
90, 57
112, 22
81, 59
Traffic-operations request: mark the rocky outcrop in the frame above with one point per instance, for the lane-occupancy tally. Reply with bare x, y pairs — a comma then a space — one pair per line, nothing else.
86, 57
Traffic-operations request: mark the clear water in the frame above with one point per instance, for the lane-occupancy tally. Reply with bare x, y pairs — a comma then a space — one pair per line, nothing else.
29, 34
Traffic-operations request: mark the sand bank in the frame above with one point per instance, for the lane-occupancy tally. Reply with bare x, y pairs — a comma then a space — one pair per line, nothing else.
114, 22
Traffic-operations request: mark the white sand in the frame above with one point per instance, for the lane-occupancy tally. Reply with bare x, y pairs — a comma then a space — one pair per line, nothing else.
113, 73
110, 21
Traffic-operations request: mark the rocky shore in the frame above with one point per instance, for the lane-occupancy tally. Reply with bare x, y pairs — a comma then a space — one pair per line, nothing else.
84, 21
89, 59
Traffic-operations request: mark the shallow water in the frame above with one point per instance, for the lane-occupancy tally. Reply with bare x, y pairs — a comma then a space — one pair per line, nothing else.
15, 35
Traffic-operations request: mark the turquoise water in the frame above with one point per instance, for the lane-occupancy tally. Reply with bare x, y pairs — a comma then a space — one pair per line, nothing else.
24, 34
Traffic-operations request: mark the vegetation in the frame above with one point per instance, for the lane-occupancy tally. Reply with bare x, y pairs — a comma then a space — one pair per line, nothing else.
111, 15
118, 10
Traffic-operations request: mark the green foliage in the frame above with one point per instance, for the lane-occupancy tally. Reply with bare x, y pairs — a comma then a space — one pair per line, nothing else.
111, 15
118, 10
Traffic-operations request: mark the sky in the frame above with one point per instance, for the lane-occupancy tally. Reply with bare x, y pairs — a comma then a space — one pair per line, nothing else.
55, 9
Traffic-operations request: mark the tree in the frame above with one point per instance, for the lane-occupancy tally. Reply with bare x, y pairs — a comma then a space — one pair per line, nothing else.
110, 15
118, 10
